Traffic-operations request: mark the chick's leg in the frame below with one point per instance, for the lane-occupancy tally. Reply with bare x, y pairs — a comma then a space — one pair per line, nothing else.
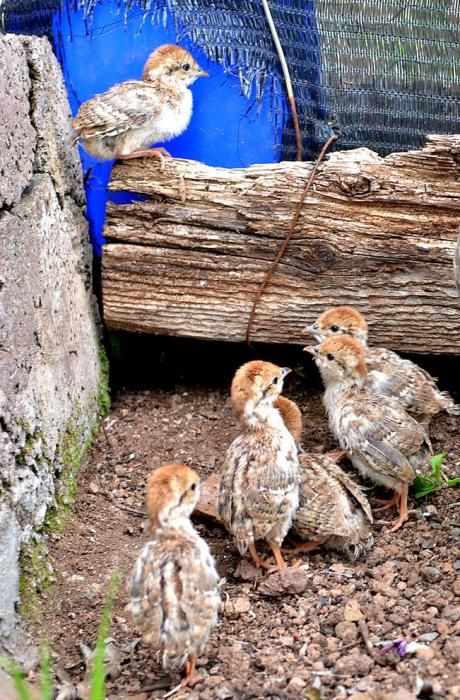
386, 503
256, 559
404, 512
191, 675
338, 455
280, 563
303, 547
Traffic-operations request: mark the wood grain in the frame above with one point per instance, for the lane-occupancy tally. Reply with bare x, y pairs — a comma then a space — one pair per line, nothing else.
377, 233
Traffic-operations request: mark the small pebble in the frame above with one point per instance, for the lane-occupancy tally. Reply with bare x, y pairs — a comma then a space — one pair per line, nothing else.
425, 653
431, 574
428, 636
347, 631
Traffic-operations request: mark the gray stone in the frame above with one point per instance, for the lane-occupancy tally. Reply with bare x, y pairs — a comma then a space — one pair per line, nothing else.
431, 574
49, 334
54, 154
17, 134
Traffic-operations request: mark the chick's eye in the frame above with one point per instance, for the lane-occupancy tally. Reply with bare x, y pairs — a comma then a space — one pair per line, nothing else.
330, 357
193, 487
334, 329
275, 380
186, 66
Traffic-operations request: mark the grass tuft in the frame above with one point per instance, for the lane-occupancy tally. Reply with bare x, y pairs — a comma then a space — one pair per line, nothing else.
97, 670
98, 676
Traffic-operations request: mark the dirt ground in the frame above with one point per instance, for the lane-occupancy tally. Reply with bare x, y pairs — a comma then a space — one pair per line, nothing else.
171, 404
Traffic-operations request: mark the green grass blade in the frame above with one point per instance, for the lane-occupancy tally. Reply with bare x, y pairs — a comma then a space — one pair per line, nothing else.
97, 685
46, 678
17, 675
436, 465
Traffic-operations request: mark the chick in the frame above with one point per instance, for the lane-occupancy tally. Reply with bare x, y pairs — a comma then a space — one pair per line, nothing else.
259, 488
174, 597
381, 439
131, 116
292, 417
388, 374
333, 509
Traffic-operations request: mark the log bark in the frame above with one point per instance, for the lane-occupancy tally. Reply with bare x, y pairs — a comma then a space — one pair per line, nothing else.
377, 233
457, 264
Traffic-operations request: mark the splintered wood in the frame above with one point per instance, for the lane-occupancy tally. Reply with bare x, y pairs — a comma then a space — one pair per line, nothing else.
376, 233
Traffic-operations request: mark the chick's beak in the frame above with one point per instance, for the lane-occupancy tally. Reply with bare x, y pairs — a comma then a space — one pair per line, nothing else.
202, 73
285, 371
312, 329
312, 349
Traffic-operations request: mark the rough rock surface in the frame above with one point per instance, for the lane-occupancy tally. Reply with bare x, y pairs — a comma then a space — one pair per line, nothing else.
49, 342
17, 134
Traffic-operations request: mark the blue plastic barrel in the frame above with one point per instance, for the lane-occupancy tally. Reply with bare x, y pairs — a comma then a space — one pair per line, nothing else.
227, 129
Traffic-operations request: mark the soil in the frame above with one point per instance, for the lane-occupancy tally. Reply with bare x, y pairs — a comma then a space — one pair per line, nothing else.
171, 405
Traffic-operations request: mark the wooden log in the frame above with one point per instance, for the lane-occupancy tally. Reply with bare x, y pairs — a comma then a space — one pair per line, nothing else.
457, 265
377, 233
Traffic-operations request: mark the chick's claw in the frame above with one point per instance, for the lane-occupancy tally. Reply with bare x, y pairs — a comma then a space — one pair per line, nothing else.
160, 153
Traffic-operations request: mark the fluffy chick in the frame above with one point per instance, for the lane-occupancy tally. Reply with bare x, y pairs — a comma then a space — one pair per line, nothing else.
389, 374
259, 488
333, 509
131, 116
381, 439
174, 597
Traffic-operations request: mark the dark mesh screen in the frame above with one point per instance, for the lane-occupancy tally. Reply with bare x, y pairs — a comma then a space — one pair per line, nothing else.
384, 73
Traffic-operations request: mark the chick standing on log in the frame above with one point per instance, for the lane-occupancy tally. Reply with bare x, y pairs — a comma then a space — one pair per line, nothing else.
124, 121
333, 509
259, 489
388, 374
382, 441
174, 597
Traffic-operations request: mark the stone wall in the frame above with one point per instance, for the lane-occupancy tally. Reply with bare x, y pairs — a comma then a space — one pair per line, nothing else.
50, 369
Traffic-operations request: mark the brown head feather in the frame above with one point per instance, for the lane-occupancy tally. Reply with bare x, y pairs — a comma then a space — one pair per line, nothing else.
348, 351
251, 379
166, 486
168, 60
342, 319
291, 415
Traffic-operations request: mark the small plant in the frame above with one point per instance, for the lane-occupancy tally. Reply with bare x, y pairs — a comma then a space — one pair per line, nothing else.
96, 671
424, 485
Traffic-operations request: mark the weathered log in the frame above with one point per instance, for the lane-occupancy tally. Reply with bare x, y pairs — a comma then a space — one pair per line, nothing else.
377, 233
457, 264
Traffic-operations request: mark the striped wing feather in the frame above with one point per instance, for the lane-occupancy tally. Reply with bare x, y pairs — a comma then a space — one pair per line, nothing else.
126, 106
